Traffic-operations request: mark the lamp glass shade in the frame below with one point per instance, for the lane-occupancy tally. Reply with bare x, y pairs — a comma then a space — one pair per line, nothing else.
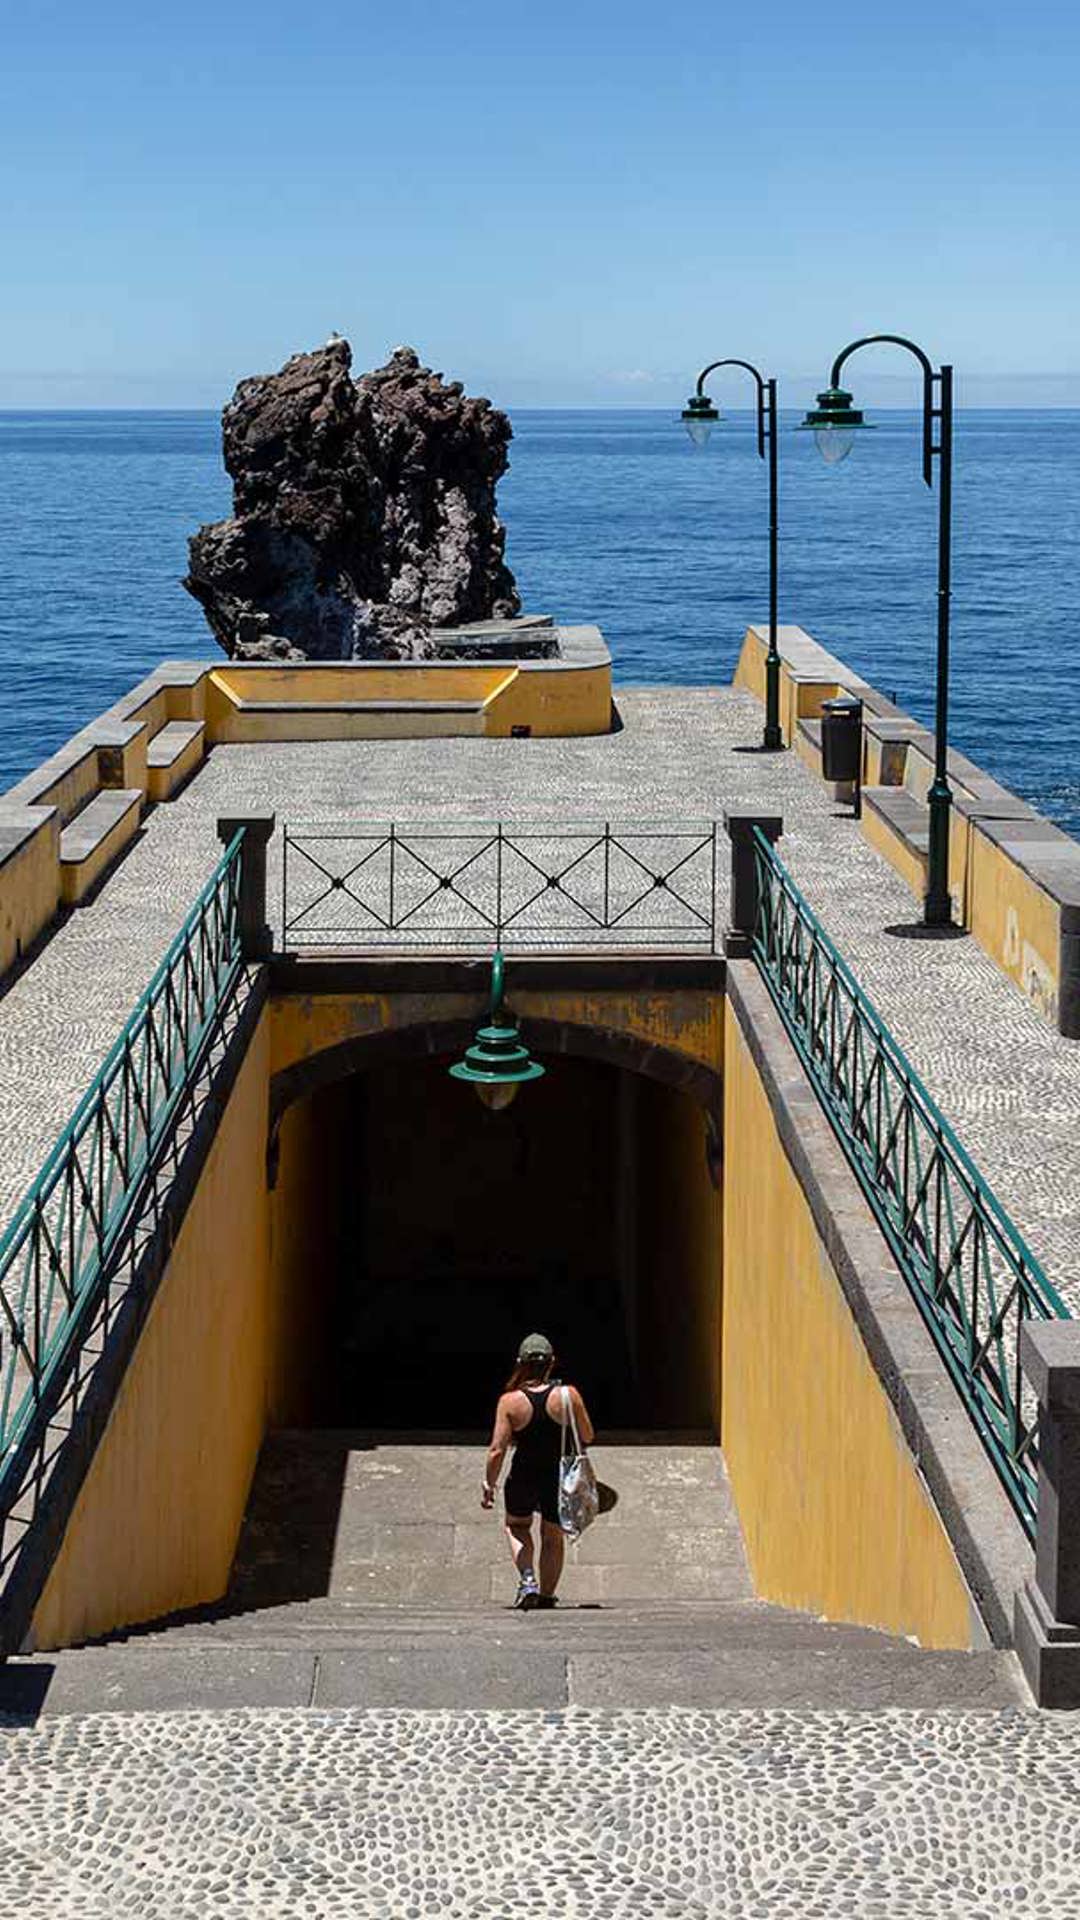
834, 443
834, 422
497, 1095
699, 429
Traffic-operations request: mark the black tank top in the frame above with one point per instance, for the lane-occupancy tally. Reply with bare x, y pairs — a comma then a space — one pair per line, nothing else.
539, 1444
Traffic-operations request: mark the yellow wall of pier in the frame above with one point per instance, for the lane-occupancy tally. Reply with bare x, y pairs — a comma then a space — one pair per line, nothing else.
835, 1516
266, 704
1016, 922
29, 886
155, 1523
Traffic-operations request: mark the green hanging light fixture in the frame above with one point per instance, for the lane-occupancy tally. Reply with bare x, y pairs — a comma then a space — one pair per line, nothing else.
699, 417
497, 1063
834, 422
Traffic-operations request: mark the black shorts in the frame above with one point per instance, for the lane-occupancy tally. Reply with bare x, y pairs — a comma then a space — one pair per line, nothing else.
529, 1493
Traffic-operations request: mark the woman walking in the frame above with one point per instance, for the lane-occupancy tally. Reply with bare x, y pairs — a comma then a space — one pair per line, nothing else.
530, 1417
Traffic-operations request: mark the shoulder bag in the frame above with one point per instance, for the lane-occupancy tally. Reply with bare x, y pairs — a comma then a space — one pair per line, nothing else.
579, 1497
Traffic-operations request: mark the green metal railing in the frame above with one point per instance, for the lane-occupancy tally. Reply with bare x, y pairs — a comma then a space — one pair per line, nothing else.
57, 1252
972, 1276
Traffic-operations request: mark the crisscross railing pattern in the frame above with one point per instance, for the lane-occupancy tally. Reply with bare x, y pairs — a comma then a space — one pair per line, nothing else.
526, 886
61, 1240
971, 1274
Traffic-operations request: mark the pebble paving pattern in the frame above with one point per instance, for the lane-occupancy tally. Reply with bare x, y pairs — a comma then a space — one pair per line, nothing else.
1007, 1081
674, 1814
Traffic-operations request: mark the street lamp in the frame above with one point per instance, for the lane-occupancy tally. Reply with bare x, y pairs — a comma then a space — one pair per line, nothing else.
497, 1063
834, 423
699, 417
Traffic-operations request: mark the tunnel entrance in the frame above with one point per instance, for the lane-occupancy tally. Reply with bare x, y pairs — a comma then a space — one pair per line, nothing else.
417, 1236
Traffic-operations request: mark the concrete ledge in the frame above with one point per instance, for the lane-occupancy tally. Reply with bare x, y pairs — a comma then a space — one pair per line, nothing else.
173, 755
401, 973
902, 814
96, 837
986, 1536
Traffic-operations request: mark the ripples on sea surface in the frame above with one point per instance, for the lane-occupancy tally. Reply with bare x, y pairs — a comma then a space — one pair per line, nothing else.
614, 518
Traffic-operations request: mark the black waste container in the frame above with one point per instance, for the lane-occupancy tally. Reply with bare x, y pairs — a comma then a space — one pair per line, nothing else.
841, 738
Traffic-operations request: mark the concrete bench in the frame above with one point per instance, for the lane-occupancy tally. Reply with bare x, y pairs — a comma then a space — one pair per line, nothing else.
173, 754
95, 838
353, 719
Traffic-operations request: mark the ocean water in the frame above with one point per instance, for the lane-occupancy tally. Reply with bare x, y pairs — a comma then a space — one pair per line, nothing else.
611, 517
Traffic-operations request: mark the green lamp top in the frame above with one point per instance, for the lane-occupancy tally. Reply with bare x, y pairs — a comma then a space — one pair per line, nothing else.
497, 1057
834, 409
700, 407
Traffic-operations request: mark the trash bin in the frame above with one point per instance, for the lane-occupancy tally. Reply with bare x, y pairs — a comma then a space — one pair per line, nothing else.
841, 739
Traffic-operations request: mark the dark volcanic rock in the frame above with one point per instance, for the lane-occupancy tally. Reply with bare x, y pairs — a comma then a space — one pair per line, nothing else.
363, 512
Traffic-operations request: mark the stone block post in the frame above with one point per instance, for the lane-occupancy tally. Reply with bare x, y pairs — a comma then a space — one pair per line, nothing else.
739, 823
256, 939
1048, 1607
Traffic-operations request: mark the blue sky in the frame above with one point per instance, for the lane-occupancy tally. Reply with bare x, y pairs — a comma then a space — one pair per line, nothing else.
561, 204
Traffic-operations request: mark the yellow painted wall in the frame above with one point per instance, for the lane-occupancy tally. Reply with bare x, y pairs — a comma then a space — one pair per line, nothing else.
834, 1514
750, 666
29, 888
689, 1022
892, 846
681, 1259
464, 680
315, 1159
74, 787
78, 878
1016, 923
163, 781
800, 698
553, 702
550, 700
155, 1524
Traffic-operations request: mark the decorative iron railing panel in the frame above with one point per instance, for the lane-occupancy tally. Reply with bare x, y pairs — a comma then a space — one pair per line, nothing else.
522, 887
970, 1272
66, 1231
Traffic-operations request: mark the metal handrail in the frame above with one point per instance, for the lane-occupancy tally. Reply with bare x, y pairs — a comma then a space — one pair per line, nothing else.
64, 1234
971, 1273
525, 885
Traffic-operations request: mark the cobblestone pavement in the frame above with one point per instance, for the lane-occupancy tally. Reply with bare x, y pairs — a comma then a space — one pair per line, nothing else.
681, 1814
1007, 1081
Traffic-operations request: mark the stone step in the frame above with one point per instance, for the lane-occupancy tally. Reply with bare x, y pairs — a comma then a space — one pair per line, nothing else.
402, 1580
368, 1574
521, 1673
572, 1629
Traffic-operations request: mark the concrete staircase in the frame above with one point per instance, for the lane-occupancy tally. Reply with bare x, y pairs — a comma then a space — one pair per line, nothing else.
368, 1575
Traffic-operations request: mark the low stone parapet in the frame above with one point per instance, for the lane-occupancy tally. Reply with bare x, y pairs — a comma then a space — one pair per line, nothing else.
1014, 878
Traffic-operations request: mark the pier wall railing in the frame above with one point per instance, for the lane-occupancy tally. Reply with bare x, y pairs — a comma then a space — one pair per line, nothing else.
1014, 877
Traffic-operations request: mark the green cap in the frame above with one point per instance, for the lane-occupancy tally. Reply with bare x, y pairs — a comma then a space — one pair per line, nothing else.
536, 1346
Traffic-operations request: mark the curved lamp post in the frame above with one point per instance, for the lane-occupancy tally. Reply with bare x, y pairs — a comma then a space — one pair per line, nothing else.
497, 1063
699, 417
834, 423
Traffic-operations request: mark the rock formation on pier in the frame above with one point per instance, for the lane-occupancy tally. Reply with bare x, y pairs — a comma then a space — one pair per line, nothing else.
363, 513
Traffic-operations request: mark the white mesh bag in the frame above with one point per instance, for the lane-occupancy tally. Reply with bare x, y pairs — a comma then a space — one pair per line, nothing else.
579, 1497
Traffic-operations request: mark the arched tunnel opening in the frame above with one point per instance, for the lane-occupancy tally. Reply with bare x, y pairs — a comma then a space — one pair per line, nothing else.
417, 1236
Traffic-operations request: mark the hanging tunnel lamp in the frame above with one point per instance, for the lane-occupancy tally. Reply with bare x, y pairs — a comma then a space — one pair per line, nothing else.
497, 1063
834, 422
699, 417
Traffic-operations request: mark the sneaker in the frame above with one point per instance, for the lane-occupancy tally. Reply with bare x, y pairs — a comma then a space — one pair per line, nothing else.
528, 1594
547, 1600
